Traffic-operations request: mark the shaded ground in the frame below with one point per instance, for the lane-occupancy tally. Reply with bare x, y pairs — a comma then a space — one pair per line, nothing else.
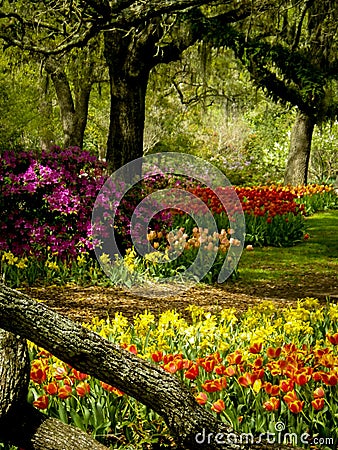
282, 275
83, 303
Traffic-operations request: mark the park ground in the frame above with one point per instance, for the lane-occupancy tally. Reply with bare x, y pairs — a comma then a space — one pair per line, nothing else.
281, 275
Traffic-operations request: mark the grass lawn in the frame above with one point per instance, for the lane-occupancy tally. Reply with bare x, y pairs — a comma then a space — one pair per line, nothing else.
316, 257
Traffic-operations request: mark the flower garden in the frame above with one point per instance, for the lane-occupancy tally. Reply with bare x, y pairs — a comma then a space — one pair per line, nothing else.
47, 201
266, 367
254, 370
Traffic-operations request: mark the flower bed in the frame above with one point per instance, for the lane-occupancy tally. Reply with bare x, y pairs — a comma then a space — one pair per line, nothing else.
46, 205
266, 367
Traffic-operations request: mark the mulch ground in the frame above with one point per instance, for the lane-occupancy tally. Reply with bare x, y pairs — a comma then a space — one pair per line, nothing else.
83, 303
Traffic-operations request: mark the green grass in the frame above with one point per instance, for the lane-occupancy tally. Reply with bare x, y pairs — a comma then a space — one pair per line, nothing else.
317, 256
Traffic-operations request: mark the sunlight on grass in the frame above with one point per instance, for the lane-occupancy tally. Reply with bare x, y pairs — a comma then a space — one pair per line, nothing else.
317, 255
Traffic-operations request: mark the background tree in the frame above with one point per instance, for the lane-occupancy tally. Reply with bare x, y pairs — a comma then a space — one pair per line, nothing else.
291, 52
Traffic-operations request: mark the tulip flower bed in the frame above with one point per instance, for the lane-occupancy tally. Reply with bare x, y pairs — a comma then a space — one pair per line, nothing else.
265, 367
46, 203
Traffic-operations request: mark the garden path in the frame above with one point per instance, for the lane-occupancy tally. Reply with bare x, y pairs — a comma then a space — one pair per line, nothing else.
83, 303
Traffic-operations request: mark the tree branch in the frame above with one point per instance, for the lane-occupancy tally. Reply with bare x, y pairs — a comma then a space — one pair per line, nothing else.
20, 423
90, 353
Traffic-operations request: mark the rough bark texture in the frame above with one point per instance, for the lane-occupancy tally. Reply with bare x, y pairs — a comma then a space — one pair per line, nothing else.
73, 111
90, 353
300, 148
128, 74
20, 423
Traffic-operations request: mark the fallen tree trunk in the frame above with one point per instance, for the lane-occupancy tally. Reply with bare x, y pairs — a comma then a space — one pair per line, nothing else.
88, 352
20, 423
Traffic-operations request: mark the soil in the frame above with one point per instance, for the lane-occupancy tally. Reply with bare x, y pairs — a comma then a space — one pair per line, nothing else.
83, 303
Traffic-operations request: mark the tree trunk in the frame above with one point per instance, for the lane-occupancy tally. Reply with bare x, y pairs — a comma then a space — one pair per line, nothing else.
90, 353
300, 147
20, 423
73, 115
128, 74
45, 126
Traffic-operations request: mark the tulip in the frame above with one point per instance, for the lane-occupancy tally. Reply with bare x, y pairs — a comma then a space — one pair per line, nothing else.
218, 406
286, 385
330, 379
208, 365
271, 389
51, 388
201, 398
319, 393
290, 397
82, 389
65, 391
318, 404
301, 378
295, 406
256, 348
79, 375
192, 373
41, 402
272, 404
333, 338
273, 353
157, 356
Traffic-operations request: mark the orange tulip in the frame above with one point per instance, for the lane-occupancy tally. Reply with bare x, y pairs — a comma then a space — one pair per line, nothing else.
255, 348
38, 372
330, 379
208, 365
171, 367
295, 406
201, 398
230, 371
286, 385
79, 375
318, 404
271, 389
290, 397
273, 353
333, 338
272, 404
51, 388
65, 391
301, 378
215, 385
41, 402
157, 356
319, 393
82, 389
218, 406
192, 373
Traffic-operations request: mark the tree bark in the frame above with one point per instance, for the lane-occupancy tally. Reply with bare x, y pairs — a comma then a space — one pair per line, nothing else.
73, 112
296, 171
129, 60
20, 423
90, 353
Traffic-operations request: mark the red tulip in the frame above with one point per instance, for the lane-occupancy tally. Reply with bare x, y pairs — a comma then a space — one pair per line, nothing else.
272, 404
218, 406
318, 404
65, 391
41, 402
51, 388
192, 373
201, 398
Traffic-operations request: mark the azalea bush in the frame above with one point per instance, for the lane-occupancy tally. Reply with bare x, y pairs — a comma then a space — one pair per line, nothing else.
46, 201
252, 371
